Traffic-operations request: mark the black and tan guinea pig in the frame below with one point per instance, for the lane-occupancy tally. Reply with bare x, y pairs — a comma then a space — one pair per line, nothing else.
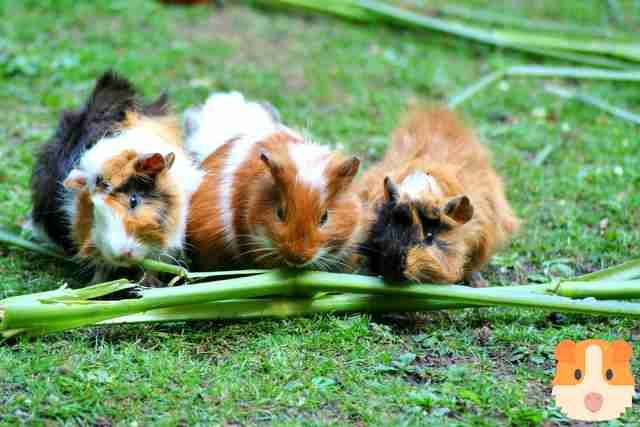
113, 184
270, 197
437, 209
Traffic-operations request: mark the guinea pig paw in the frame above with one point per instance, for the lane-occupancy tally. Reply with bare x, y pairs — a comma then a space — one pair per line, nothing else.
150, 280
475, 280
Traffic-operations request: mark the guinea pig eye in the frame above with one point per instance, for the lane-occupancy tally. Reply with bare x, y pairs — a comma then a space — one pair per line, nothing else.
609, 374
280, 213
324, 218
133, 201
577, 374
429, 238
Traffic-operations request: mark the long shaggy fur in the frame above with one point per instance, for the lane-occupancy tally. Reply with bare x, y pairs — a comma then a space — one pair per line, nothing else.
78, 131
449, 213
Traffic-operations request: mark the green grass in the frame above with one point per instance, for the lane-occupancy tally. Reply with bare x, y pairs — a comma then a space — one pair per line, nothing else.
348, 84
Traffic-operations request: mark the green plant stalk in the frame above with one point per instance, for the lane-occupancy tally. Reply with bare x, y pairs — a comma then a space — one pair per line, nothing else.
224, 273
334, 7
471, 90
573, 72
374, 11
64, 309
525, 23
65, 293
581, 58
624, 289
511, 39
344, 283
67, 311
625, 271
162, 267
14, 240
542, 71
404, 299
287, 307
284, 307
595, 102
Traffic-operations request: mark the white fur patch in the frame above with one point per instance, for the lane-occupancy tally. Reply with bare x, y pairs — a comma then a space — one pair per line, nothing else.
417, 183
311, 161
237, 155
109, 235
320, 253
225, 116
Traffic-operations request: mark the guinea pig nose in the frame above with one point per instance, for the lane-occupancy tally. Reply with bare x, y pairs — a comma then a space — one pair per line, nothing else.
593, 401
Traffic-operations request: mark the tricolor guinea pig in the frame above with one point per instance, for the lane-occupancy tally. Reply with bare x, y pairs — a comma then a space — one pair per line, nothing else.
593, 380
114, 183
438, 209
270, 197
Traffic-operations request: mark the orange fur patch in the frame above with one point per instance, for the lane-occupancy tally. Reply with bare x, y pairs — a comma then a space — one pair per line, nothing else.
81, 228
437, 143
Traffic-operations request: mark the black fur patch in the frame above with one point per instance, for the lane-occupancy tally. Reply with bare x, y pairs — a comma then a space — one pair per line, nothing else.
78, 131
145, 188
392, 236
389, 241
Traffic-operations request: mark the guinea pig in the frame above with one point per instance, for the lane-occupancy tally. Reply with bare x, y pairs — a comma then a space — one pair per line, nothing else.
113, 185
270, 198
593, 380
438, 210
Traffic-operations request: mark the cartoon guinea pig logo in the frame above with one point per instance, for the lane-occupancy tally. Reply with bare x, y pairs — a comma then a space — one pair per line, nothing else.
593, 379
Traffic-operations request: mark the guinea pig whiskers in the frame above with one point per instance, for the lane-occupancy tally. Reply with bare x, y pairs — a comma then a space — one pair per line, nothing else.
173, 259
254, 245
338, 262
253, 251
272, 253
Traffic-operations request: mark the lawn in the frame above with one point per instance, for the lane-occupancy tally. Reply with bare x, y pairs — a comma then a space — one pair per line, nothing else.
348, 84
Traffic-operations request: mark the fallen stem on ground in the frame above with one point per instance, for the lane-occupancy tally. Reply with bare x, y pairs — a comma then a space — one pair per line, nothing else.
372, 11
594, 102
542, 71
488, 16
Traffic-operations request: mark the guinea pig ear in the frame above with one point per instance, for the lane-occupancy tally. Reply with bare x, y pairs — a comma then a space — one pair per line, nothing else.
341, 174
76, 180
621, 351
169, 159
566, 351
391, 192
459, 209
274, 166
153, 164
348, 169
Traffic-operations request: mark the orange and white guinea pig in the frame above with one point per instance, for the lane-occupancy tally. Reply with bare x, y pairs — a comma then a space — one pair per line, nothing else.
270, 197
439, 210
113, 185
593, 380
